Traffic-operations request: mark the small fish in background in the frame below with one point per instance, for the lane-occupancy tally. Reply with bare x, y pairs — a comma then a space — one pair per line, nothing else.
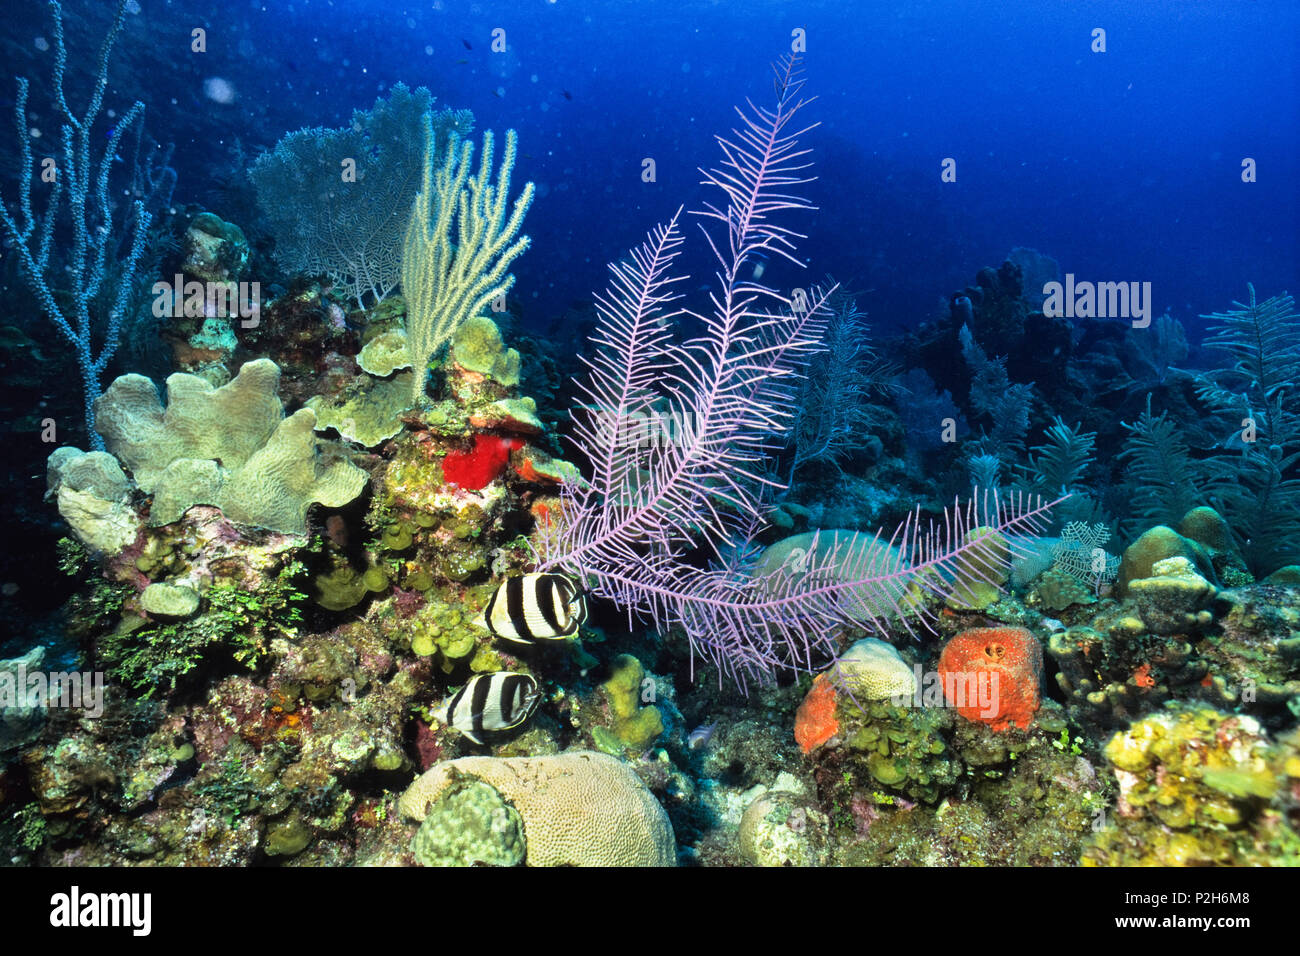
490, 703
699, 738
963, 310
535, 607
461, 62
760, 266
567, 94
468, 46
337, 531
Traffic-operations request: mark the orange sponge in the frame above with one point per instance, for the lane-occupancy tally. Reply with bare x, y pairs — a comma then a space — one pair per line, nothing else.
972, 659
814, 722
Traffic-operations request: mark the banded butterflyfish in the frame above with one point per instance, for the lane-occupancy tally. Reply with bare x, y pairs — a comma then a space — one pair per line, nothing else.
536, 607
490, 703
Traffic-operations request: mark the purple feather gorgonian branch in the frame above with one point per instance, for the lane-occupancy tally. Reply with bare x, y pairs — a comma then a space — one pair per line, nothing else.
679, 437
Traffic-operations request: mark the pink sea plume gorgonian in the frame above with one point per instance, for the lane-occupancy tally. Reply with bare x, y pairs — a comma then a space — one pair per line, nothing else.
656, 496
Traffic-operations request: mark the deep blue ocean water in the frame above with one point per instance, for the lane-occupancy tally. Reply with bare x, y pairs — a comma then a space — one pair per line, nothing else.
1123, 165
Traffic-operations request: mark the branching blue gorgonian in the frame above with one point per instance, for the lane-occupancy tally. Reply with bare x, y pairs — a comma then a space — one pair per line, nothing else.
72, 280
658, 496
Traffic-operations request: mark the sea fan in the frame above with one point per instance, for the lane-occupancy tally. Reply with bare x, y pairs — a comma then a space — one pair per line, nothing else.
835, 398
1058, 465
649, 502
1264, 340
1079, 553
1164, 484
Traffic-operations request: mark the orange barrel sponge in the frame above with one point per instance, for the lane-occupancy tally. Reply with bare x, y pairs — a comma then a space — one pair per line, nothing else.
992, 674
814, 722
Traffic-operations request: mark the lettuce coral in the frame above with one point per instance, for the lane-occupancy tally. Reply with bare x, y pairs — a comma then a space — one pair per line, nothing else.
230, 447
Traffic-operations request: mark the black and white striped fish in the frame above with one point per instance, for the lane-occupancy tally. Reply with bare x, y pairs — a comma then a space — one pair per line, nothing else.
536, 607
490, 702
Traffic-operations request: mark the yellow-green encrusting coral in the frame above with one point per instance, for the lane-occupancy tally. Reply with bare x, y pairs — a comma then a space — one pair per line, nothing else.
1056, 590
477, 347
634, 727
1256, 651
1200, 787
384, 354
1174, 598
368, 412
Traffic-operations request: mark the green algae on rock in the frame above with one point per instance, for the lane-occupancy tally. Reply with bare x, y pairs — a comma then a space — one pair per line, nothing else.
579, 808
470, 824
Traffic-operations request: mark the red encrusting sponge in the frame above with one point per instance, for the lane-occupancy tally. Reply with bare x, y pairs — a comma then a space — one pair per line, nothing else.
482, 464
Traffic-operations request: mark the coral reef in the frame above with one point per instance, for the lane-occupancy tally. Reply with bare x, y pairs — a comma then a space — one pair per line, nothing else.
1200, 787
578, 809
284, 605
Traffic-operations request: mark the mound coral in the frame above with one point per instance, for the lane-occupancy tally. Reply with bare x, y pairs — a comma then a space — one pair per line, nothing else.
579, 809
230, 447
1010, 655
874, 670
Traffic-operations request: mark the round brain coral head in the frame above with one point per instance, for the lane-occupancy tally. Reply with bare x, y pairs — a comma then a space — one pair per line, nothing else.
482, 464
814, 722
992, 674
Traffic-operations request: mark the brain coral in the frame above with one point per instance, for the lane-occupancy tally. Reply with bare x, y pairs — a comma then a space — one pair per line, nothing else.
579, 809
230, 447
874, 670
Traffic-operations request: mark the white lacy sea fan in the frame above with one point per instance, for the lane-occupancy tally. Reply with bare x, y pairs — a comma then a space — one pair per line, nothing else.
1080, 554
